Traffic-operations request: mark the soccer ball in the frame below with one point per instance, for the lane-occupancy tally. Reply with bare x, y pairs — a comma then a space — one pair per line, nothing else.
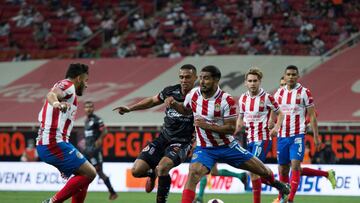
215, 201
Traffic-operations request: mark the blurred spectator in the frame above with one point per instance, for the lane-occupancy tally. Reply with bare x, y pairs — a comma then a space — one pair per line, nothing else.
138, 23
108, 26
174, 53
318, 47
257, 7
30, 153
21, 57
304, 38
121, 50
334, 28
307, 26
4, 28
326, 155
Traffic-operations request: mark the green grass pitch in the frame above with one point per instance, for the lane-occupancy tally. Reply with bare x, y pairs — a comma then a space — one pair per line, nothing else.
142, 197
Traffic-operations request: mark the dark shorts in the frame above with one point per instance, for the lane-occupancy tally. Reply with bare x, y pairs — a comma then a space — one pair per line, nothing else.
160, 147
95, 158
64, 156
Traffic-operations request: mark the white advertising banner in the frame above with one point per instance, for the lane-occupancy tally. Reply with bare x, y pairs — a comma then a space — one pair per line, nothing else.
36, 176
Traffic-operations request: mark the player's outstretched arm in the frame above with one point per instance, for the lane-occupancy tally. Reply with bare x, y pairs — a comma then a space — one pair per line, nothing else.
179, 107
143, 104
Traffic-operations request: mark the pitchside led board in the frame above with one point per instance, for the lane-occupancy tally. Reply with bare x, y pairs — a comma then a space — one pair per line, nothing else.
43, 177
124, 146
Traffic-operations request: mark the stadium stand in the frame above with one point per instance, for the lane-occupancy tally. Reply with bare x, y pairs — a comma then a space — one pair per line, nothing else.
39, 29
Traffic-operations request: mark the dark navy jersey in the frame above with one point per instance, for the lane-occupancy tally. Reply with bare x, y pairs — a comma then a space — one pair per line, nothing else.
93, 129
177, 127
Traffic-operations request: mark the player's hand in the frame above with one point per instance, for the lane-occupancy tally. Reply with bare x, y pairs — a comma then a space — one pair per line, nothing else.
122, 110
169, 101
274, 131
317, 143
200, 122
62, 106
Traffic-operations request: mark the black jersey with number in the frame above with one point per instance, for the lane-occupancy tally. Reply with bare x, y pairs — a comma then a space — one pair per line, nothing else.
93, 129
177, 127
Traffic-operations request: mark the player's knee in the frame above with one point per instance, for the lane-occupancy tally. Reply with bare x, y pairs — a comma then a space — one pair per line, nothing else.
162, 170
195, 173
91, 173
136, 172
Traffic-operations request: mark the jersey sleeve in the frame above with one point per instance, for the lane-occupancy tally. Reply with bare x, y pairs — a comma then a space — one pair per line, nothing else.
66, 87
163, 94
229, 108
187, 101
272, 104
308, 99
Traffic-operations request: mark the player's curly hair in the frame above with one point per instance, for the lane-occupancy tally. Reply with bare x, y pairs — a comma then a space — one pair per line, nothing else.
76, 69
254, 71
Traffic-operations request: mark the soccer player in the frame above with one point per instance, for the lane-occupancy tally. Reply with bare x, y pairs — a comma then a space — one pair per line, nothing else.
174, 142
255, 108
215, 120
297, 103
95, 131
56, 122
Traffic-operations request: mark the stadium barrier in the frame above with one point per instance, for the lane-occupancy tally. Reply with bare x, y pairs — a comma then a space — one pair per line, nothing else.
37, 176
124, 145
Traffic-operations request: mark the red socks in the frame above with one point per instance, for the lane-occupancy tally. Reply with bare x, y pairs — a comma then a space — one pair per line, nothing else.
284, 179
72, 187
313, 172
188, 196
295, 179
256, 184
268, 180
80, 196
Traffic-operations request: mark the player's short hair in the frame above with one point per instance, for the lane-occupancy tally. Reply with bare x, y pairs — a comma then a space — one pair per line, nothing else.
213, 70
188, 67
76, 69
254, 71
292, 67
89, 102
282, 78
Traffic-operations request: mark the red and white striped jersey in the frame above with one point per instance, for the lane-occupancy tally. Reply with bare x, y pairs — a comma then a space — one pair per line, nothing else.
256, 111
214, 110
293, 103
55, 126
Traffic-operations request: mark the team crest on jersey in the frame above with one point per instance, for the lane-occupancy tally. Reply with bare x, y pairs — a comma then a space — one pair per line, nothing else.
298, 96
217, 107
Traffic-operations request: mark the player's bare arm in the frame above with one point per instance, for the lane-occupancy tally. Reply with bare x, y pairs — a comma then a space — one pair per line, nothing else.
143, 104
227, 128
280, 118
99, 141
179, 107
239, 123
54, 97
314, 126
